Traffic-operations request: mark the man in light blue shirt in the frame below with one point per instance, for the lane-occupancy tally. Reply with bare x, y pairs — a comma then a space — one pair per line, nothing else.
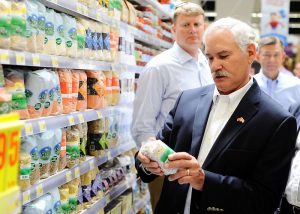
182, 67
283, 88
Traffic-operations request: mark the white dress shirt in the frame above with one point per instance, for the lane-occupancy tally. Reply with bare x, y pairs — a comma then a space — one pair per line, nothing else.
221, 111
292, 190
159, 85
284, 89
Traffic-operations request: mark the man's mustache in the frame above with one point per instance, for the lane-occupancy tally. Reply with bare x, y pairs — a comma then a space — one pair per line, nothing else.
220, 74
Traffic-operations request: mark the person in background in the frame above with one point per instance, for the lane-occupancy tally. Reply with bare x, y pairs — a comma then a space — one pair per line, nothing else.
290, 203
286, 68
255, 68
283, 88
233, 144
181, 67
296, 70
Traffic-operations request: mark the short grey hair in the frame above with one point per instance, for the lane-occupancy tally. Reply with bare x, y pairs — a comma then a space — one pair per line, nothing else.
242, 32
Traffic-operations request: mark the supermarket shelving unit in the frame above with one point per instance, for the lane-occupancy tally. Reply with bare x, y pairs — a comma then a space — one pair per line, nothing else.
34, 126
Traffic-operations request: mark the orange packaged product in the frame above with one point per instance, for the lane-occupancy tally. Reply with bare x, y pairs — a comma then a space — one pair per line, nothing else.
82, 91
65, 80
75, 89
115, 88
108, 89
57, 107
95, 89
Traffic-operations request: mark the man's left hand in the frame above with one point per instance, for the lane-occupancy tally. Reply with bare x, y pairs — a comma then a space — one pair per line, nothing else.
189, 170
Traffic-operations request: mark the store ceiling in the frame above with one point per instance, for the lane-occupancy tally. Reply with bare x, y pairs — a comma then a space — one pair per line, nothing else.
248, 11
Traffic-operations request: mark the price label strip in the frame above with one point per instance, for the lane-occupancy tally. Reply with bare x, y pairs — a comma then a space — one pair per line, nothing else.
4, 57
28, 129
42, 126
20, 58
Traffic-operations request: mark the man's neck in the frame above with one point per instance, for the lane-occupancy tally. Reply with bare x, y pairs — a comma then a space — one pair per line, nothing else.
271, 76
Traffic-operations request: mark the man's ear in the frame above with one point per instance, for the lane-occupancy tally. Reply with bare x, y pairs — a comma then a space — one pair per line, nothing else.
173, 30
251, 50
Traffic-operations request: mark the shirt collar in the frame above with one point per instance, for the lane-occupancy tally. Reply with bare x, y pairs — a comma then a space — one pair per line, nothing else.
235, 96
268, 80
184, 56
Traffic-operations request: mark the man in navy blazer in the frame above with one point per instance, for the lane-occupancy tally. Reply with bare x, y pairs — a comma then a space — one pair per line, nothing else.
233, 143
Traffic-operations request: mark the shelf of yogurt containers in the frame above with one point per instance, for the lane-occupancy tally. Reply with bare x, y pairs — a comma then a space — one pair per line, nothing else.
124, 199
11, 57
67, 175
59, 36
112, 195
121, 15
96, 186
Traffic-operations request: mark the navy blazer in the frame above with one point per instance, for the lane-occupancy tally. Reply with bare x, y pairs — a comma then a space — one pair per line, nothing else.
247, 168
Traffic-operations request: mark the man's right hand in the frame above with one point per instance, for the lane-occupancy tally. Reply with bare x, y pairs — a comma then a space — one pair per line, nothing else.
150, 165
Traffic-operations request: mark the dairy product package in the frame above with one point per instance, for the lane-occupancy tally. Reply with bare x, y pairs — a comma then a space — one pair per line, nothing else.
159, 152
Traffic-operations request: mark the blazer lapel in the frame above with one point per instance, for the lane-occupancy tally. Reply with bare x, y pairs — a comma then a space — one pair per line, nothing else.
241, 116
201, 116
